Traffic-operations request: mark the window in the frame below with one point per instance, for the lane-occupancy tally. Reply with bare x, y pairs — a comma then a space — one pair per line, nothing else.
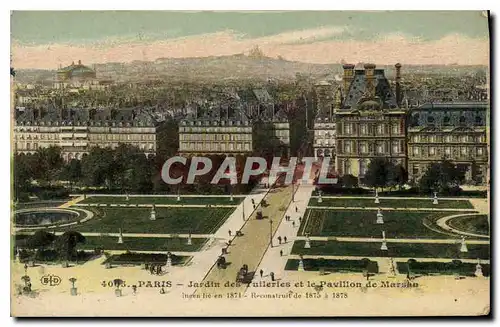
364, 129
395, 129
478, 120
395, 147
416, 151
363, 148
465, 138
432, 151
447, 139
447, 150
463, 150
347, 147
362, 167
479, 151
432, 138
348, 128
430, 120
446, 120
415, 170
380, 129
347, 168
380, 148
416, 138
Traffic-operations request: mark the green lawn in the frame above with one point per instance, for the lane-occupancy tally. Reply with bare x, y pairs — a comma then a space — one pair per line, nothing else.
333, 265
391, 203
442, 268
142, 244
403, 250
477, 224
162, 200
175, 220
351, 223
140, 258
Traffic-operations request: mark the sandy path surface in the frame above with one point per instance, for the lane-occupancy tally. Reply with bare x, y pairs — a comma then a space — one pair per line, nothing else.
249, 248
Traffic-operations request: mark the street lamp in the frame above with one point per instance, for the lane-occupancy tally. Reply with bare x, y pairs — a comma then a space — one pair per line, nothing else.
271, 232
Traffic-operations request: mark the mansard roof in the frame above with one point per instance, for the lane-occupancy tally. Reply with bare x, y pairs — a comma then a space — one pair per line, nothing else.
82, 116
357, 90
451, 114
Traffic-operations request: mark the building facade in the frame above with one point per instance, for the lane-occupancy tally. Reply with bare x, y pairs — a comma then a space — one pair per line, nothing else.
324, 122
78, 130
449, 131
369, 120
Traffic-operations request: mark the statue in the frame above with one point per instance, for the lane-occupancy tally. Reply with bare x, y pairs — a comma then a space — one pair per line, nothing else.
380, 217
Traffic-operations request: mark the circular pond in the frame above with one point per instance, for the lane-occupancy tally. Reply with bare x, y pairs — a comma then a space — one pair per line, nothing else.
477, 224
44, 217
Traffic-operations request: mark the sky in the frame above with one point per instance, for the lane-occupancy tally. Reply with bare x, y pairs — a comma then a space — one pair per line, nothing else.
47, 39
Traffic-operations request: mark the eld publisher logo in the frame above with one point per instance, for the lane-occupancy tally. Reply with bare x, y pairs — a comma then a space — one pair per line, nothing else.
50, 280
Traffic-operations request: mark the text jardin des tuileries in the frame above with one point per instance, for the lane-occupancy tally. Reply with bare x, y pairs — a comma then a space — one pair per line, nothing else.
317, 285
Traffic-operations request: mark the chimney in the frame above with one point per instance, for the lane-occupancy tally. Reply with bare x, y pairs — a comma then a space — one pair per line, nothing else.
370, 78
348, 76
398, 83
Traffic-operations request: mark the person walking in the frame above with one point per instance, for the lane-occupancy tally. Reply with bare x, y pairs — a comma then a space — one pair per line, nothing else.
279, 239
284, 238
293, 223
281, 253
230, 233
296, 209
261, 273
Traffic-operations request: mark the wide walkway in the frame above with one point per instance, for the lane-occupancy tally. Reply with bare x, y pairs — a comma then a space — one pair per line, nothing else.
249, 248
276, 257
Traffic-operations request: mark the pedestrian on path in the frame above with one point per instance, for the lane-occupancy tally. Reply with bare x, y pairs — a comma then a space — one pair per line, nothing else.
279, 239
281, 253
300, 220
261, 273
253, 201
284, 239
272, 276
230, 233
296, 209
293, 223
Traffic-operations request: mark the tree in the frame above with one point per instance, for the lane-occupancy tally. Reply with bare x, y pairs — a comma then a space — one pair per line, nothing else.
380, 173
72, 171
66, 244
40, 239
400, 175
98, 167
349, 181
441, 176
50, 161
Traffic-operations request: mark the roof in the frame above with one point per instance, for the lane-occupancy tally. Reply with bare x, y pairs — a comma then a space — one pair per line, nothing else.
77, 70
263, 96
454, 105
357, 90
84, 116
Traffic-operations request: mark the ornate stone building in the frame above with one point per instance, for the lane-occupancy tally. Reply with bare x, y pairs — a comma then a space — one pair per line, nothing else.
324, 123
77, 130
453, 131
224, 129
215, 133
369, 120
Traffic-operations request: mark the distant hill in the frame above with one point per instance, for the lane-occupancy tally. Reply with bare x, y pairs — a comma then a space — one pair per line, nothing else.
227, 68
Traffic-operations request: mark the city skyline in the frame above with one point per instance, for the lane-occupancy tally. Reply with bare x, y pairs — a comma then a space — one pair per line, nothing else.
313, 37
